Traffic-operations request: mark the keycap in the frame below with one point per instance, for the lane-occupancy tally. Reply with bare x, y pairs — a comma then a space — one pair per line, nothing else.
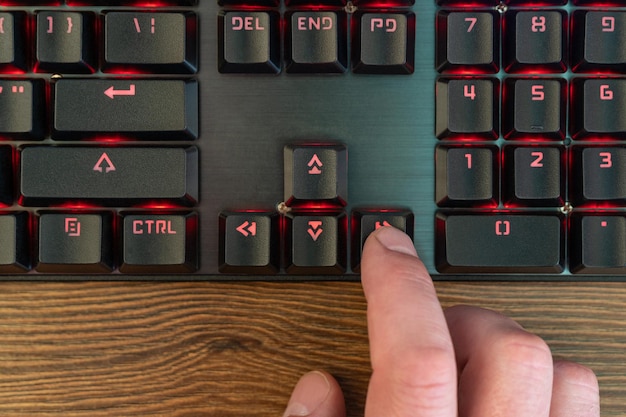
142, 109
65, 42
534, 108
249, 42
535, 40
382, 3
6, 175
249, 242
475, 243
14, 242
598, 244
535, 176
467, 107
596, 108
384, 43
264, 3
154, 42
365, 221
316, 42
108, 176
467, 176
603, 170
132, 2
159, 243
467, 42
12, 42
599, 41
316, 243
316, 174
75, 242
22, 109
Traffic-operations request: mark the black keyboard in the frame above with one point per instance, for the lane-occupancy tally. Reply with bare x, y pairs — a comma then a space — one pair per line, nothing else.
266, 139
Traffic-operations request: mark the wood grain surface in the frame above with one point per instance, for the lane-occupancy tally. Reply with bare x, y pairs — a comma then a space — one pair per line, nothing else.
237, 349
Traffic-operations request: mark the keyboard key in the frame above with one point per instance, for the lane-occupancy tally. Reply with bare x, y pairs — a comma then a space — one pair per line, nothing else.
596, 108
535, 176
74, 242
22, 109
535, 40
316, 174
316, 243
467, 42
6, 175
132, 2
14, 242
476, 243
249, 42
467, 107
534, 108
150, 42
598, 244
317, 42
142, 109
12, 42
249, 242
467, 176
65, 42
365, 221
599, 41
159, 243
384, 43
603, 175
108, 176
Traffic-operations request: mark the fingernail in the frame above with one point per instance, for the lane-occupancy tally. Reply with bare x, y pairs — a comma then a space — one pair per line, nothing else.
395, 240
310, 392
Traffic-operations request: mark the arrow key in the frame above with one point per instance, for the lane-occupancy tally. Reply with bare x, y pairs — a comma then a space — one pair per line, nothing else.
249, 242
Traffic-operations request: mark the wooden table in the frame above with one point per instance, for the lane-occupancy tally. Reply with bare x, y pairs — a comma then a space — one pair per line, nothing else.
237, 349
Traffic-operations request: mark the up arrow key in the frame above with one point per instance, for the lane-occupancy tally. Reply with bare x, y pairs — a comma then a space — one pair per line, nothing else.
104, 159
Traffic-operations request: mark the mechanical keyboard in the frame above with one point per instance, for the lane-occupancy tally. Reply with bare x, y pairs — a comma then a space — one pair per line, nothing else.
265, 139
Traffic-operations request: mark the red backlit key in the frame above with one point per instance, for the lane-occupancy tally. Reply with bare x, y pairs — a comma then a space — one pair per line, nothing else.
316, 243
598, 244
109, 176
599, 41
144, 109
467, 107
535, 176
534, 108
603, 172
65, 42
14, 242
6, 175
596, 108
150, 42
364, 222
75, 242
384, 43
316, 42
12, 42
467, 176
249, 42
22, 109
535, 40
499, 243
316, 174
467, 42
159, 243
250, 242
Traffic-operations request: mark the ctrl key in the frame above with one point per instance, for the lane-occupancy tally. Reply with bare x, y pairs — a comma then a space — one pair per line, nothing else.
14, 234
249, 242
159, 243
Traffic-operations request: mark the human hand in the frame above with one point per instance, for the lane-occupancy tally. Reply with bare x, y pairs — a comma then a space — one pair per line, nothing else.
466, 361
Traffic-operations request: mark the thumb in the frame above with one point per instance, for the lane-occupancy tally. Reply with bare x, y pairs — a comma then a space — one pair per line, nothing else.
317, 394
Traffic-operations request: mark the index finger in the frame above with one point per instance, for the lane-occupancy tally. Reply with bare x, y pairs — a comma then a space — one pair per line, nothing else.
414, 368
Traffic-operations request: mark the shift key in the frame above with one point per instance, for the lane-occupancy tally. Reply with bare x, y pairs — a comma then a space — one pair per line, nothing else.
138, 109
124, 176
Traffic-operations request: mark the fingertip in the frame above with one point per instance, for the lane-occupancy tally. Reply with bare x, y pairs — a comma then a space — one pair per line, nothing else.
317, 394
392, 239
